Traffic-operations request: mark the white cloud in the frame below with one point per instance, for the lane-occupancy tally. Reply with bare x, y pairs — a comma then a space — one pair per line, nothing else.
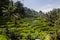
47, 10
58, 6
48, 7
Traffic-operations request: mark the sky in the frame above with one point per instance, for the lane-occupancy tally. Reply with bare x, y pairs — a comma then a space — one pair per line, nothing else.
43, 5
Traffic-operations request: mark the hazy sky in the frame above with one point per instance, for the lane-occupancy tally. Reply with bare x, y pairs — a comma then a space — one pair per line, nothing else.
44, 5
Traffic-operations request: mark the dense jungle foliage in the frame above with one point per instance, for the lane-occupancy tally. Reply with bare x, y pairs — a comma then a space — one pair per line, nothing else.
21, 23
